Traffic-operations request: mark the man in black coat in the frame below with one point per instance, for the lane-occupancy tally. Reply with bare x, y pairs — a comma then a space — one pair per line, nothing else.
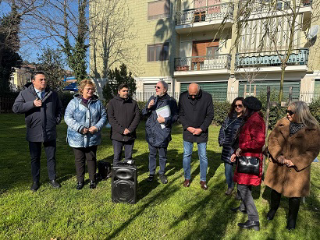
158, 128
196, 114
124, 117
43, 110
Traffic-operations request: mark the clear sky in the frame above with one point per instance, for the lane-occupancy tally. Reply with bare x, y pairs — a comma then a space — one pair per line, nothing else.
30, 50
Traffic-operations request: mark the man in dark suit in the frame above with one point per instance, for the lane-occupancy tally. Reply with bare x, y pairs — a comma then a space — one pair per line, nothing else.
42, 109
124, 117
195, 114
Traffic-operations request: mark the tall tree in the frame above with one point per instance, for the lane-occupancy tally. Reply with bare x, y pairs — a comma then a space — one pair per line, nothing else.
63, 23
9, 46
274, 27
52, 63
110, 37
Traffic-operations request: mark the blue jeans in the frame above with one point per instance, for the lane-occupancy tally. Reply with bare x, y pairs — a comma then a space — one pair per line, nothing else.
153, 159
228, 171
202, 153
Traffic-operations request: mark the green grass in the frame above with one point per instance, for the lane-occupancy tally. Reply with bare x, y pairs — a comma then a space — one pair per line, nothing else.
162, 211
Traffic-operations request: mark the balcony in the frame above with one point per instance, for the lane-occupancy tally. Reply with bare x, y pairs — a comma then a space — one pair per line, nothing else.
283, 7
187, 65
204, 16
268, 59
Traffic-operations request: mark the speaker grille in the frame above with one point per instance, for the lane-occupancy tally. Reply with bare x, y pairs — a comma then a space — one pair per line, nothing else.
124, 184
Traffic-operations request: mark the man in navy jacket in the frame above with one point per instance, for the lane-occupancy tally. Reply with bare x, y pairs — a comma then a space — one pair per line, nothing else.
196, 114
42, 109
158, 128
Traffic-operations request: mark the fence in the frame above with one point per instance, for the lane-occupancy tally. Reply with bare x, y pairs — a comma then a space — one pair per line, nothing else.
307, 97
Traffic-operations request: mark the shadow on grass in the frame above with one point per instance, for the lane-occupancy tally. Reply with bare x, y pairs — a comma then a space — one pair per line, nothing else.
162, 195
204, 226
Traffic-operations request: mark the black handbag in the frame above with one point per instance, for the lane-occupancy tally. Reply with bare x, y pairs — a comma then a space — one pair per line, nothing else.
249, 165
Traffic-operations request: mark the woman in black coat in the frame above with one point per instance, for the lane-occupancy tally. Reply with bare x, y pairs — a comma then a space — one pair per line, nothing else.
227, 134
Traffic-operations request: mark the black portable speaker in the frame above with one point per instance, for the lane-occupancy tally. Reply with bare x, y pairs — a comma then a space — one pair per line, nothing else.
124, 183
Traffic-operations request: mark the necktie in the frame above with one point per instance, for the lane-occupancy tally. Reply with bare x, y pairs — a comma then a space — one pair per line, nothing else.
42, 94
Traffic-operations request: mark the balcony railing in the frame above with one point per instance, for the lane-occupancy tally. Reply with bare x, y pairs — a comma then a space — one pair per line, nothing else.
298, 57
198, 63
205, 14
279, 5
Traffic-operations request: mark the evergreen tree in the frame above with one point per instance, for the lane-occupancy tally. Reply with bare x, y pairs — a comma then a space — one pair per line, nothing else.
117, 77
9, 46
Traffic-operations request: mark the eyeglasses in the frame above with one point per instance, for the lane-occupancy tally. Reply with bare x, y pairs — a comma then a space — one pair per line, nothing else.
89, 89
157, 87
290, 112
238, 105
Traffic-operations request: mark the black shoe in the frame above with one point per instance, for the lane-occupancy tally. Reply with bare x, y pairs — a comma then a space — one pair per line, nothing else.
55, 184
250, 224
270, 214
92, 184
80, 185
150, 178
238, 209
163, 178
35, 186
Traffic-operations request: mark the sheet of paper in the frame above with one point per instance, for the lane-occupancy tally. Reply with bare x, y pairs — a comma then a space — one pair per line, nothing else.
164, 112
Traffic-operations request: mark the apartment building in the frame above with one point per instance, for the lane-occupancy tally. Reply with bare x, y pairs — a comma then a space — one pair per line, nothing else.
218, 44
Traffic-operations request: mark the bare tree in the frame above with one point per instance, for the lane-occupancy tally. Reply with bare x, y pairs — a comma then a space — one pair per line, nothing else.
272, 28
63, 23
110, 36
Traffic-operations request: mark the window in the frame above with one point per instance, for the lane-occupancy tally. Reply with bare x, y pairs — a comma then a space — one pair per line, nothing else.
212, 51
158, 52
158, 9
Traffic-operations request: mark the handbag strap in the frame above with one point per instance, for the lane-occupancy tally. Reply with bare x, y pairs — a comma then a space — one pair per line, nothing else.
230, 124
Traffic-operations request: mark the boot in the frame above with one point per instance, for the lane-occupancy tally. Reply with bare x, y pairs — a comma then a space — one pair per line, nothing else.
274, 204
294, 205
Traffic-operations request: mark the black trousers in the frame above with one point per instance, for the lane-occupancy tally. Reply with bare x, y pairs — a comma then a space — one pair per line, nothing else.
81, 155
117, 149
35, 153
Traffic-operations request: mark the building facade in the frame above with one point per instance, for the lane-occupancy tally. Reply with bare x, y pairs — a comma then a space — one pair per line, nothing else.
219, 44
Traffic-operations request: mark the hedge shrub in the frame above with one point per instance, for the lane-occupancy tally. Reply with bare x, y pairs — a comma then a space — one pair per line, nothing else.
65, 98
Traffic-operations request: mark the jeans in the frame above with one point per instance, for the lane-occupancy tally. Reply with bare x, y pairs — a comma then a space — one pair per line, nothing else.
228, 171
202, 153
35, 153
117, 149
153, 159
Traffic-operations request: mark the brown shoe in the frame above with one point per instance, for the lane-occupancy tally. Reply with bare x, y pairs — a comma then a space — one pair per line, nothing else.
186, 183
203, 185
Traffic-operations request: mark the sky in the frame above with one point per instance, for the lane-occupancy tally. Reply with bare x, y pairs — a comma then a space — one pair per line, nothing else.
29, 51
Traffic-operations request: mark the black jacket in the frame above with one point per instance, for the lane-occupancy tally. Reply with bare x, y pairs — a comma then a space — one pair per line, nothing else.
227, 135
157, 136
197, 113
41, 121
122, 114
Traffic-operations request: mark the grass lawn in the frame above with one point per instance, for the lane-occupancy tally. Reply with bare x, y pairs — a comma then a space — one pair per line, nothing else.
162, 211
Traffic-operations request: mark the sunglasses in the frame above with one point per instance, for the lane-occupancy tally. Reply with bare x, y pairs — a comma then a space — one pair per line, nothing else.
290, 112
238, 105
157, 87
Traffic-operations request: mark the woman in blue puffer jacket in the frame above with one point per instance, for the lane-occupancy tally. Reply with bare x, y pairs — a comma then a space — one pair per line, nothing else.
227, 135
85, 117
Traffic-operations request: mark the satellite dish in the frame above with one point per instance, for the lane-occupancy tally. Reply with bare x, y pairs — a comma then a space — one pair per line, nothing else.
313, 31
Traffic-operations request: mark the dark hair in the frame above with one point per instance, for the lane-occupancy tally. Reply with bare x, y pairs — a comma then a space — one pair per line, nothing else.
249, 112
33, 76
233, 106
122, 85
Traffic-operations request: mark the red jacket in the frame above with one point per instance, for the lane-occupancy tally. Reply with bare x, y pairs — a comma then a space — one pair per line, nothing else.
251, 141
